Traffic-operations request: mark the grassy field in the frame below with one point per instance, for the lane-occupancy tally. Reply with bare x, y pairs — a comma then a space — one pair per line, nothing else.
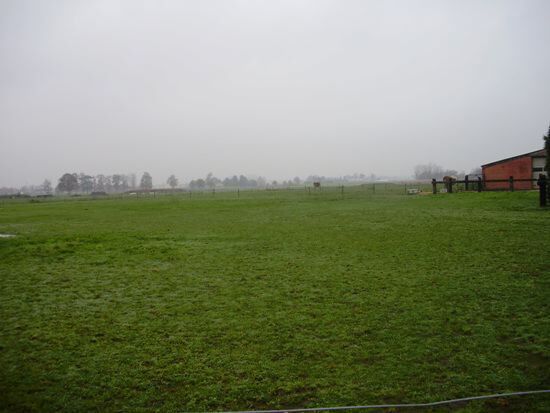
274, 300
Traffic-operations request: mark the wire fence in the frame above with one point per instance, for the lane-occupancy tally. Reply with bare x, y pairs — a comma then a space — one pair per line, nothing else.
324, 192
328, 192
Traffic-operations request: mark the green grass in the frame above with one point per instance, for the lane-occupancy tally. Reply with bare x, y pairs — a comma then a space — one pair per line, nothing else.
273, 300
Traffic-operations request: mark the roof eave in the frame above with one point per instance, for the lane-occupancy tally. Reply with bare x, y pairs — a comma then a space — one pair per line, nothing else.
540, 153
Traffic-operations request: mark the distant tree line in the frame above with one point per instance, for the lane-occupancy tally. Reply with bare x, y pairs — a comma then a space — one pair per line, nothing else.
235, 181
342, 179
431, 170
84, 183
44, 189
242, 181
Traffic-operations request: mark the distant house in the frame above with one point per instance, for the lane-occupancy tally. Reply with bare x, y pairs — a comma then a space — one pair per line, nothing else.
526, 166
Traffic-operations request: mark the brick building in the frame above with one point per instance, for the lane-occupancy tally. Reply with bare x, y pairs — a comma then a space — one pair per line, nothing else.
526, 166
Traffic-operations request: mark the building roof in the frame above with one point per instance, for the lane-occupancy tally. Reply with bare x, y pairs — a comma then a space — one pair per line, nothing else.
541, 153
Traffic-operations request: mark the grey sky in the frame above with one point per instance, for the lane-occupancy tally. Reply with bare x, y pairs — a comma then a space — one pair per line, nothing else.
274, 88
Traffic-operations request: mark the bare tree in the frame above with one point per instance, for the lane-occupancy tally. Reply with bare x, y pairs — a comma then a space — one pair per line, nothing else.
211, 180
100, 183
172, 181
146, 181
262, 182
476, 171
124, 183
428, 171
108, 184
68, 183
86, 182
47, 187
197, 184
132, 180
117, 180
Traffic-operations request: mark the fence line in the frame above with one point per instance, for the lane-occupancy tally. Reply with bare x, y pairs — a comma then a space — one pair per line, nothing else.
336, 190
481, 185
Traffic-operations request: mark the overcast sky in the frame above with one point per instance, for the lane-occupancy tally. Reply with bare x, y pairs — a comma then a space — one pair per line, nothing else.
273, 88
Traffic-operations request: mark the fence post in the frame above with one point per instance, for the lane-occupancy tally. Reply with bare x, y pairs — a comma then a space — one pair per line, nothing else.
373, 187
238, 192
342, 191
466, 182
434, 186
511, 183
541, 182
450, 181
479, 184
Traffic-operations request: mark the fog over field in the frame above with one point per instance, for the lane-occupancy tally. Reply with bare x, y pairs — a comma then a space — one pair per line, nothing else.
272, 88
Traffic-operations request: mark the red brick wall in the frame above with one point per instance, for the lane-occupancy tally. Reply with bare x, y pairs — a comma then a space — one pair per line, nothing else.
519, 168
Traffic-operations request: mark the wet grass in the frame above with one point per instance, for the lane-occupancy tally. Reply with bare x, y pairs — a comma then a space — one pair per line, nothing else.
273, 300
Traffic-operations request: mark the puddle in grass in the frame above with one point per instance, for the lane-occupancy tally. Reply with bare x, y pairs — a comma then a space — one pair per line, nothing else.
6, 235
